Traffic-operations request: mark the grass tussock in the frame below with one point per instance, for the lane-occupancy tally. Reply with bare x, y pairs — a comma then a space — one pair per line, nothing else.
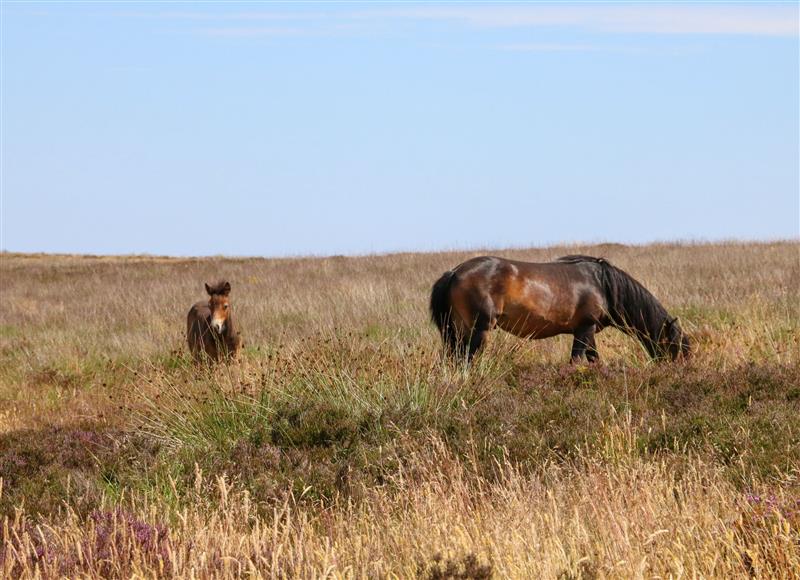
343, 445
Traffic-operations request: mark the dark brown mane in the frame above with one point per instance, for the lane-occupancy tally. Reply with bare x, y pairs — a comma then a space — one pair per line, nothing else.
631, 306
222, 288
577, 258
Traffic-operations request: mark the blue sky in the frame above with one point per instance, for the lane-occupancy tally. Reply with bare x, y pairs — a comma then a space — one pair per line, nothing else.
328, 128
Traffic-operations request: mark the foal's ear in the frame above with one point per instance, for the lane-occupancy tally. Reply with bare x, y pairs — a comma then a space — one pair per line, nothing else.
226, 288
208, 289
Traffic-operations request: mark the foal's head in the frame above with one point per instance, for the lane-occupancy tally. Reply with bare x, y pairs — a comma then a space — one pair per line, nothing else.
219, 303
674, 341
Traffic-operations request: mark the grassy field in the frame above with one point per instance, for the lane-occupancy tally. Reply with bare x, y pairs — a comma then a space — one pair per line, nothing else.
343, 445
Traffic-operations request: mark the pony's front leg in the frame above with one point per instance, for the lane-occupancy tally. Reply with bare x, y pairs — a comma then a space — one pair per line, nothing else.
591, 349
584, 344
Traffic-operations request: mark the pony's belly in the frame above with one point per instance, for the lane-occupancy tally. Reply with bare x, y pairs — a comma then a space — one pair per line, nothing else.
530, 324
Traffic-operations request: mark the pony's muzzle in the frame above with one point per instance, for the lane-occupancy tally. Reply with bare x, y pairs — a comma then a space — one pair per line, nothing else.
218, 325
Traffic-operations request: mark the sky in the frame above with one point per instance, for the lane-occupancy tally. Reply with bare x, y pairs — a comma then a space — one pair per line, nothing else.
274, 129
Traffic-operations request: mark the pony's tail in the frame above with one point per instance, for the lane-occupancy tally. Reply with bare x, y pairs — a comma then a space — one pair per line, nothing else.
440, 309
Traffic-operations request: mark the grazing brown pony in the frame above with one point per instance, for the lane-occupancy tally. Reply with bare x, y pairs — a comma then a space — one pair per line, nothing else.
578, 295
210, 329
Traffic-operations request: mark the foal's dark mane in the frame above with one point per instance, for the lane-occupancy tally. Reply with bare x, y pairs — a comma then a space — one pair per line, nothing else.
221, 287
631, 306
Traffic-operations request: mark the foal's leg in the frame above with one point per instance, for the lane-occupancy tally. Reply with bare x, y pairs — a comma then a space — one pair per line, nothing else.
584, 344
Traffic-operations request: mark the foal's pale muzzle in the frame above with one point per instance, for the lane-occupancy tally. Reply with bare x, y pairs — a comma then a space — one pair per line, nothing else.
218, 324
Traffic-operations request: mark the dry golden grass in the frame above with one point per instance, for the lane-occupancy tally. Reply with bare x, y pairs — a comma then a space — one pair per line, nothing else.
344, 446
618, 519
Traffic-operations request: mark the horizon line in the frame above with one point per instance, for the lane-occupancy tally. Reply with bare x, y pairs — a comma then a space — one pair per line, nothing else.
661, 242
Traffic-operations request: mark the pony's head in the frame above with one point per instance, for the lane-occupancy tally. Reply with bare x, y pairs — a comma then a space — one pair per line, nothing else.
674, 342
219, 303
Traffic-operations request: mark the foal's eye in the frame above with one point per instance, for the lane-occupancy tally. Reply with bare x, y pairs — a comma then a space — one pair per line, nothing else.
225, 306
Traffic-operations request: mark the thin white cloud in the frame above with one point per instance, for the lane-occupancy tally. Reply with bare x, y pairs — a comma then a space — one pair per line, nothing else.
252, 31
554, 47
776, 20
253, 16
317, 29
773, 20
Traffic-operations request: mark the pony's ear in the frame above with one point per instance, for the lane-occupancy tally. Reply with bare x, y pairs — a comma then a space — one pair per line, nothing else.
208, 289
226, 288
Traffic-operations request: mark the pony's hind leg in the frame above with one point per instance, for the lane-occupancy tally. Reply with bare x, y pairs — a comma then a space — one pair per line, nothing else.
584, 344
473, 317
469, 337
459, 341
478, 336
452, 338
485, 320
